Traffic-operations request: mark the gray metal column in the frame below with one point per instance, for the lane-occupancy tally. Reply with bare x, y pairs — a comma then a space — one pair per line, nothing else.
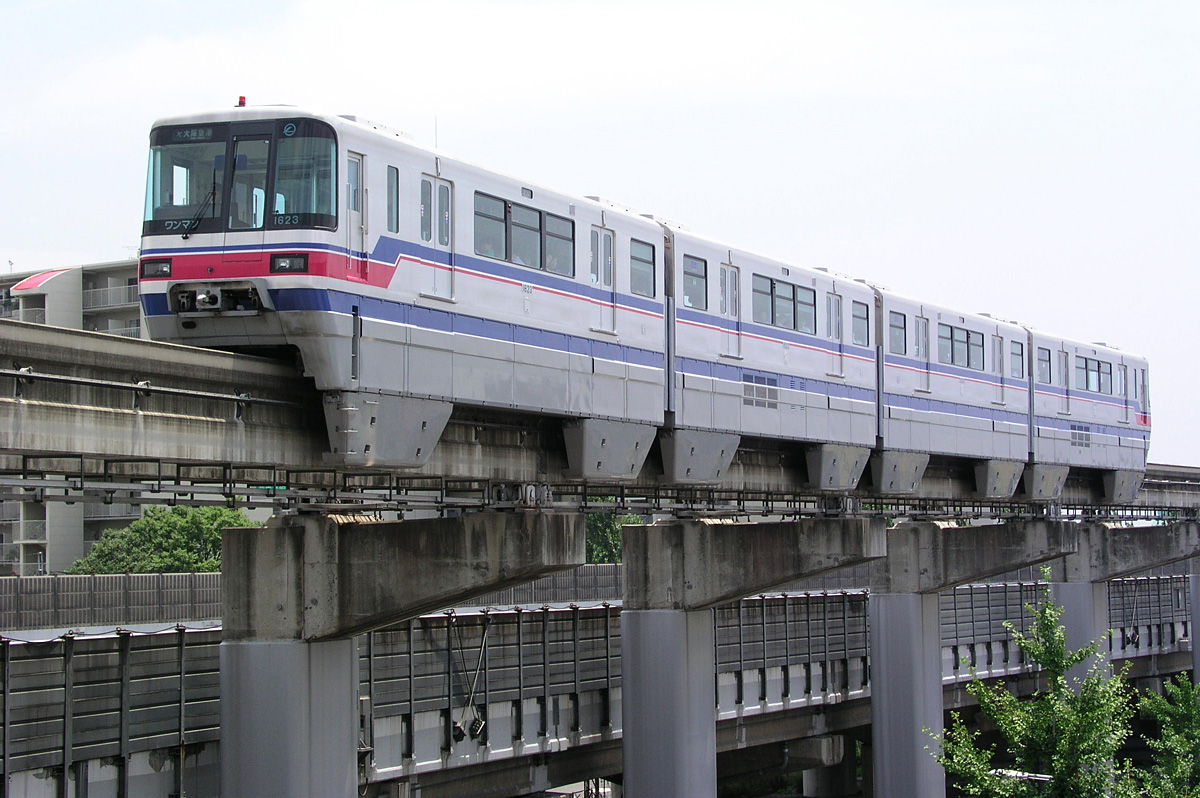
288, 719
669, 704
906, 693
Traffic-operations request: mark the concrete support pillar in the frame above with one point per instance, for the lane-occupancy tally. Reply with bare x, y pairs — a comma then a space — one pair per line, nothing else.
906, 646
669, 704
906, 693
1085, 618
834, 781
675, 573
289, 722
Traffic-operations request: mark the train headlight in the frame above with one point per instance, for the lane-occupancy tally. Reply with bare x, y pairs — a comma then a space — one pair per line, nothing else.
289, 264
156, 268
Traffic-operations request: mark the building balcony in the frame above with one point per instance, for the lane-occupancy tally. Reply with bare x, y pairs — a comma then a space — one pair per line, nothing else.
120, 296
34, 315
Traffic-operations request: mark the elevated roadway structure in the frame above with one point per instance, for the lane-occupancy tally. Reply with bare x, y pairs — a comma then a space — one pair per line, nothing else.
84, 418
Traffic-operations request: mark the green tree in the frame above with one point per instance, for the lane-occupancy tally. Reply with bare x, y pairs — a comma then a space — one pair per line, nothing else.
1176, 751
1068, 732
604, 535
164, 540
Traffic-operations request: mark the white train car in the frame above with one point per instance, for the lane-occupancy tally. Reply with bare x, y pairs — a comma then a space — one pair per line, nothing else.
1091, 410
952, 384
764, 349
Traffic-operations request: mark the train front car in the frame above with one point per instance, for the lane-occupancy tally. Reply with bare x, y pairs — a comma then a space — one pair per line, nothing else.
241, 213
407, 282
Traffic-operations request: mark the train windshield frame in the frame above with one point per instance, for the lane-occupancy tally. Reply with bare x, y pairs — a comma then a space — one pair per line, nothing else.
213, 178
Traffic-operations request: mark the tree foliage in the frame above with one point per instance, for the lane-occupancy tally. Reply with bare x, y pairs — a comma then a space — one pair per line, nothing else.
1069, 730
164, 540
604, 535
1176, 751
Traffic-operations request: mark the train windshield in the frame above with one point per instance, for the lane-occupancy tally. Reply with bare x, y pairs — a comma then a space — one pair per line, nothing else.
272, 174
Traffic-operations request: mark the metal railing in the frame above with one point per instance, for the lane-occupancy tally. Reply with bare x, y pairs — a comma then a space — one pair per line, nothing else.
33, 315
124, 332
114, 297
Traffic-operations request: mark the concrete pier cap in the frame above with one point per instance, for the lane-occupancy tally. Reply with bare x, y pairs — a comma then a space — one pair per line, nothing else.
699, 564
318, 577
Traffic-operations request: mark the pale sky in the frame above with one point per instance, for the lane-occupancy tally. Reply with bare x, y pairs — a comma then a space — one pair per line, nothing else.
1037, 160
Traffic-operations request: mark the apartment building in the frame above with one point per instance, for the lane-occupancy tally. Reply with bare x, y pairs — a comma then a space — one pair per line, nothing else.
46, 537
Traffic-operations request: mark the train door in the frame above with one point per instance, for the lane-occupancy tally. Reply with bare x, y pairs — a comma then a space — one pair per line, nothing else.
356, 220
998, 366
833, 331
728, 308
247, 199
921, 350
1064, 380
1121, 390
437, 232
604, 316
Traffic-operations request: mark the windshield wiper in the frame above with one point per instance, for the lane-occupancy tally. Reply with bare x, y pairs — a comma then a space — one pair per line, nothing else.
209, 198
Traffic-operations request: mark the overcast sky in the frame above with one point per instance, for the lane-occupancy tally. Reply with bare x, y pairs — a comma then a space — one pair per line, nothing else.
1036, 160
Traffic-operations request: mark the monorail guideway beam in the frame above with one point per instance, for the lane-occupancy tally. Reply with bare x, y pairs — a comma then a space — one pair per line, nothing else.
675, 573
296, 593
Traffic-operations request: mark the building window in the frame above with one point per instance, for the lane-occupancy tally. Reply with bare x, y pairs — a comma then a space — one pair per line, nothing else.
1016, 356
393, 199
897, 333
1093, 375
958, 346
785, 305
641, 268
695, 283
524, 236
860, 329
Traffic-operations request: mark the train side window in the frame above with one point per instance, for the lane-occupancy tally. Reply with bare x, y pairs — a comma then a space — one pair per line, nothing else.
762, 300
960, 347
491, 232
1119, 386
526, 236
1043, 366
921, 345
427, 214
695, 283
560, 246
393, 199
1016, 355
1093, 375
729, 292
641, 268
806, 310
860, 329
897, 333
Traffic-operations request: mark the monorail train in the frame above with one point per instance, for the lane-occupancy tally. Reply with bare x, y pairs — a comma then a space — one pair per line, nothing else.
410, 282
